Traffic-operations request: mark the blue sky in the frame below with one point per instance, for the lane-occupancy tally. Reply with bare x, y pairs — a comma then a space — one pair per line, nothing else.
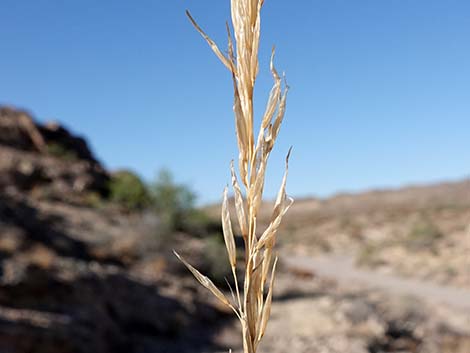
380, 90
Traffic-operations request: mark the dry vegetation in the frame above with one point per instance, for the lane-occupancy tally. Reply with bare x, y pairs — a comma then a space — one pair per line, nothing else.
252, 304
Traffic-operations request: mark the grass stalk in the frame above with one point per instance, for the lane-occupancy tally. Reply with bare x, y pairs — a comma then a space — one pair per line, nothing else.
260, 259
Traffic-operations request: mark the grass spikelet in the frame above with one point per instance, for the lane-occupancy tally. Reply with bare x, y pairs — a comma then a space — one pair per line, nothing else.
281, 206
239, 203
205, 281
211, 43
228, 233
267, 305
254, 305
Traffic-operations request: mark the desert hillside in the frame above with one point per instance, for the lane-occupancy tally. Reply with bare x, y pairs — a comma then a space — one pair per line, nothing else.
77, 272
421, 231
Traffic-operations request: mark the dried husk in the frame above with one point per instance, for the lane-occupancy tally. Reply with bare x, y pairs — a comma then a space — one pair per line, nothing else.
267, 304
281, 206
206, 282
239, 203
228, 232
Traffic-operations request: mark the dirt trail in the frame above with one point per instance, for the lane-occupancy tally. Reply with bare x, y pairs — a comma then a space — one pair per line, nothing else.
342, 269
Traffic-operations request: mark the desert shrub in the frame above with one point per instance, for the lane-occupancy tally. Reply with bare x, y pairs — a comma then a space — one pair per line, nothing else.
200, 224
369, 255
216, 264
129, 191
174, 202
60, 151
93, 200
352, 228
423, 235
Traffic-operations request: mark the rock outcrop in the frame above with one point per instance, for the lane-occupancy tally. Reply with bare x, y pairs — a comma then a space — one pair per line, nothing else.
75, 277
46, 160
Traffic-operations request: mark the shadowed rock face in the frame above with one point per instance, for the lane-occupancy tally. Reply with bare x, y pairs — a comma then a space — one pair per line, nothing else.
56, 133
62, 292
19, 130
74, 278
46, 159
96, 311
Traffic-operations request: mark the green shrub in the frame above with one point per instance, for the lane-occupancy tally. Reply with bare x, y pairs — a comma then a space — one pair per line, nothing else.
128, 190
198, 223
174, 202
216, 263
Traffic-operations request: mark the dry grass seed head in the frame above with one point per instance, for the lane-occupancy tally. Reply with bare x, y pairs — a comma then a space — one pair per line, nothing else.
242, 62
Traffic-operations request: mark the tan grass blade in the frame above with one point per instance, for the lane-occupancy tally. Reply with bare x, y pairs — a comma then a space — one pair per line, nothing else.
258, 187
281, 206
253, 239
252, 307
255, 163
240, 120
267, 304
211, 43
267, 260
228, 232
274, 95
239, 203
247, 340
282, 191
248, 271
206, 282
272, 229
280, 114
256, 35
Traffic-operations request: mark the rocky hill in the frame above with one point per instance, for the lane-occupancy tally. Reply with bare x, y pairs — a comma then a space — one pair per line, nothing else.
75, 277
46, 160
